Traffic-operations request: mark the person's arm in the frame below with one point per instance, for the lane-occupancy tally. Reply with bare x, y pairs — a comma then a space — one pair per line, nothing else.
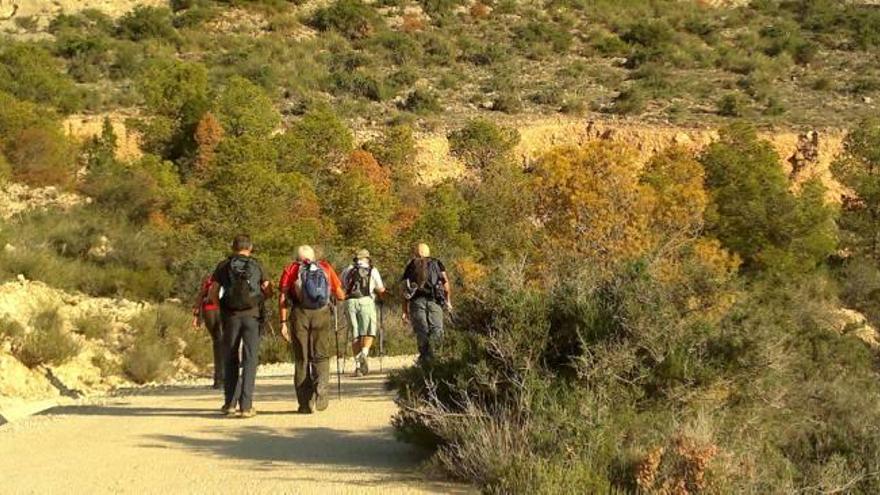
336, 285
283, 310
446, 287
380, 286
214, 293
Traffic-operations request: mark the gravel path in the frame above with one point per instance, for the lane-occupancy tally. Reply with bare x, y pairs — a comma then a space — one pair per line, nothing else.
173, 440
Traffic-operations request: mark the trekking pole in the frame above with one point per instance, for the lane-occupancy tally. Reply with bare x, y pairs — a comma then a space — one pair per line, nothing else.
336, 333
381, 337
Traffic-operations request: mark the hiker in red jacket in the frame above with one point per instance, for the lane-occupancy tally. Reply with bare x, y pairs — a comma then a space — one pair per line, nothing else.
204, 310
306, 288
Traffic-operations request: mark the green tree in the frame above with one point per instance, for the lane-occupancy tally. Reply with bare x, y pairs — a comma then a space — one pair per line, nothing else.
859, 170
31, 73
753, 211
244, 108
314, 144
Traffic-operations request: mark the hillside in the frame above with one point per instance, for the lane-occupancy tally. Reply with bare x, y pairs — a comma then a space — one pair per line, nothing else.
658, 218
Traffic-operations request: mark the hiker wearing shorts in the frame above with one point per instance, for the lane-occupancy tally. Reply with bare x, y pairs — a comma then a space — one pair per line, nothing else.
244, 287
363, 284
425, 294
204, 310
307, 286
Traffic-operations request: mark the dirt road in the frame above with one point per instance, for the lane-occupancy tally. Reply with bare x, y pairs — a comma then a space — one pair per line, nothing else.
175, 441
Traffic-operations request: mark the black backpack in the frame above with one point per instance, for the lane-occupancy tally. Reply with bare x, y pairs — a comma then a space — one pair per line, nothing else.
359, 281
428, 280
244, 277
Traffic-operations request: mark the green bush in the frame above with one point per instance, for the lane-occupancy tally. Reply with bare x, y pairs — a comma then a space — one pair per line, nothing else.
480, 143
631, 101
30, 73
145, 23
274, 349
11, 329
244, 108
731, 105
422, 101
94, 326
351, 18
317, 141
47, 343
149, 359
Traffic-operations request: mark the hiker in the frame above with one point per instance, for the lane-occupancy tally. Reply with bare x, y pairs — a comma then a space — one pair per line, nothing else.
244, 286
204, 310
307, 285
425, 295
363, 284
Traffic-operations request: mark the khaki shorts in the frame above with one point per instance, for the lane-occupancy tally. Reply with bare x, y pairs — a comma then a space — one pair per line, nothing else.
362, 316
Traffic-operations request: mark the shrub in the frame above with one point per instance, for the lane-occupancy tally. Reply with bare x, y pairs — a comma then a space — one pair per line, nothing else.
151, 356
47, 343
11, 329
630, 101
149, 359
30, 73
731, 105
146, 22
93, 326
42, 157
538, 38
480, 143
351, 18
317, 141
422, 101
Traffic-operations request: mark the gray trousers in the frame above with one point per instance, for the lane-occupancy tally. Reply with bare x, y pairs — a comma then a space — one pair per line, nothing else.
427, 322
244, 332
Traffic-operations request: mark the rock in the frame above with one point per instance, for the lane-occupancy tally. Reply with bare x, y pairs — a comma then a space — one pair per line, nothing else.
867, 99
9, 248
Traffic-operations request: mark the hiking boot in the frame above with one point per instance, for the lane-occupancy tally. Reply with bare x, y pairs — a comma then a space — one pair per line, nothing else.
358, 373
227, 410
250, 413
321, 402
365, 368
304, 410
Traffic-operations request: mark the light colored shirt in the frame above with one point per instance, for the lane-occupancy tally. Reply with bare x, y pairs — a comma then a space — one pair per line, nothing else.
375, 278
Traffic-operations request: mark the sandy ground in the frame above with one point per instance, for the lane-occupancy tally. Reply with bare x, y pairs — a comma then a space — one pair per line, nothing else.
174, 440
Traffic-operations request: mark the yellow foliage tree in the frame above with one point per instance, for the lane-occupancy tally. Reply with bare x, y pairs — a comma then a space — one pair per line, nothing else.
590, 202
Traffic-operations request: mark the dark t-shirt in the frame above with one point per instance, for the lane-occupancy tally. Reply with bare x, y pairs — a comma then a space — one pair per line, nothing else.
221, 275
410, 275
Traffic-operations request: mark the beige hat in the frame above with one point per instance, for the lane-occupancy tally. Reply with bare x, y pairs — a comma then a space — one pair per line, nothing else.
363, 254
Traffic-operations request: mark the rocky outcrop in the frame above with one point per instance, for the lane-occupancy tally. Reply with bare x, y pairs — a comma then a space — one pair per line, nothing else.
19, 198
803, 155
83, 127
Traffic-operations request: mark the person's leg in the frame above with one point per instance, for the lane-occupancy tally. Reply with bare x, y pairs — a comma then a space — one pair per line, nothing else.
321, 334
251, 354
301, 356
231, 342
351, 313
418, 315
435, 325
212, 323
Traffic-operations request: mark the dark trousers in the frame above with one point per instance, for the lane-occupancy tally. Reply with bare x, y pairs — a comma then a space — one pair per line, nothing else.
427, 322
241, 332
311, 353
215, 329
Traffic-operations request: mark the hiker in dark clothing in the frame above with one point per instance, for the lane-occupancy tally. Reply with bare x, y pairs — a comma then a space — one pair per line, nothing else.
244, 286
425, 294
204, 310
306, 288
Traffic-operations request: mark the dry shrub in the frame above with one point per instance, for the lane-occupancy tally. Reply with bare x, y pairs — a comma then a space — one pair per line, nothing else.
42, 157
364, 161
93, 326
47, 343
480, 10
412, 23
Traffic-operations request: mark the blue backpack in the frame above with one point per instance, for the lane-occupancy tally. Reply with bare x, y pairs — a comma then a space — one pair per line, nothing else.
315, 286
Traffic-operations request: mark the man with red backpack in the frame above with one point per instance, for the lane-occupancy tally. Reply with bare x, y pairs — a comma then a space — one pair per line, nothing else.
307, 286
244, 288
204, 310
